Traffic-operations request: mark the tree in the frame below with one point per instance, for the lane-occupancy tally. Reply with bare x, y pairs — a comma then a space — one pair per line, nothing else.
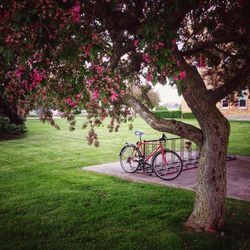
73, 55
146, 95
9, 117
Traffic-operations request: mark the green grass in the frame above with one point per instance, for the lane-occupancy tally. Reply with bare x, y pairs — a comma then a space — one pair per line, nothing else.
47, 202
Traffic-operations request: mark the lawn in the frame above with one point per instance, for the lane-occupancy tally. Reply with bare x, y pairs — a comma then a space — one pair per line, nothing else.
47, 202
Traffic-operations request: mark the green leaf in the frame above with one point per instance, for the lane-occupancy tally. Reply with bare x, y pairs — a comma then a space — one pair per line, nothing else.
94, 50
142, 44
82, 71
1, 49
8, 55
155, 80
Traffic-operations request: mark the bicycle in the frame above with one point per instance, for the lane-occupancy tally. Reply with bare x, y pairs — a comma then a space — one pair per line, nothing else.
165, 163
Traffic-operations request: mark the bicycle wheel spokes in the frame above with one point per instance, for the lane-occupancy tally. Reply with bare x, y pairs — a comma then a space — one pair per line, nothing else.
169, 169
129, 158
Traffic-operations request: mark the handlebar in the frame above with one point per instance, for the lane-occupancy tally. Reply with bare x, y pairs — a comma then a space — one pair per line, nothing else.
163, 138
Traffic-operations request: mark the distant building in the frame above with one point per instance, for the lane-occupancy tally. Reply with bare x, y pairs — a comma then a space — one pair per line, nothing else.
240, 110
173, 106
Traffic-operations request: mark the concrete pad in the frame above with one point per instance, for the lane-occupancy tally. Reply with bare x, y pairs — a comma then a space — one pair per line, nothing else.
238, 177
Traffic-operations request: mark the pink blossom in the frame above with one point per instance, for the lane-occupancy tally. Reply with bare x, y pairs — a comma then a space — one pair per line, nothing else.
21, 92
65, 1
77, 7
94, 37
90, 81
37, 76
136, 43
178, 64
25, 84
78, 96
108, 79
146, 58
175, 77
86, 49
75, 12
156, 46
113, 96
69, 101
201, 62
96, 94
149, 77
174, 42
182, 74
99, 69
161, 44
19, 72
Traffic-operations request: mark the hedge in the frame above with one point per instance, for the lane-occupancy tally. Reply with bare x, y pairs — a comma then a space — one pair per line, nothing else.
168, 114
188, 115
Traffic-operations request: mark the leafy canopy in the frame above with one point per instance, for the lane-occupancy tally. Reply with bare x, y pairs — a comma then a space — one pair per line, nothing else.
73, 55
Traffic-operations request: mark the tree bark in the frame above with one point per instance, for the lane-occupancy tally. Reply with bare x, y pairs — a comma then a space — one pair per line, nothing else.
212, 138
208, 212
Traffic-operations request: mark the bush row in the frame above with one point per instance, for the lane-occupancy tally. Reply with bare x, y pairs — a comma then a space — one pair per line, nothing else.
168, 114
188, 115
173, 114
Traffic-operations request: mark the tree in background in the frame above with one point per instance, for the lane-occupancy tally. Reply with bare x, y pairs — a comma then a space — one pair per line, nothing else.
74, 55
147, 96
11, 124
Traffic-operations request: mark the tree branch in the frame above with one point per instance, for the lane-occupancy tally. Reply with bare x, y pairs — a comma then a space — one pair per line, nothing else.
210, 44
133, 66
117, 54
240, 80
128, 20
171, 126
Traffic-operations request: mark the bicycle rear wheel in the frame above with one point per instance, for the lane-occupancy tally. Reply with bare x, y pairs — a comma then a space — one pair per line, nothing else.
129, 158
169, 169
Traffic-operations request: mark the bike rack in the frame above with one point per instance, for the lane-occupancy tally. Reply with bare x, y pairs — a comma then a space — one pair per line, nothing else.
187, 150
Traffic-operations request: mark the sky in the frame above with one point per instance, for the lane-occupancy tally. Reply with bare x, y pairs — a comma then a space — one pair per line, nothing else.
168, 94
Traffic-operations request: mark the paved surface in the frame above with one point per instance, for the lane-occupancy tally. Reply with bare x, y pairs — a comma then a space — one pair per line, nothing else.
238, 177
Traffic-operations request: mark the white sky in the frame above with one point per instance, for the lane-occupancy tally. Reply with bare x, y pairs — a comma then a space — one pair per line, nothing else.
167, 93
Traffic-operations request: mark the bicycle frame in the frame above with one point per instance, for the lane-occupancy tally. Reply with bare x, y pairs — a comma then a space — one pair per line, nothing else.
140, 144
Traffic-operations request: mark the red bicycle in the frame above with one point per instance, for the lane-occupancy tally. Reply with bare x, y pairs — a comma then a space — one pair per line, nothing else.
165, 163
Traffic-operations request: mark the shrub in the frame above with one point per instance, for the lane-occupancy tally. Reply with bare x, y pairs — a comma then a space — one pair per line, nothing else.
161, 108
168, 114
188, 115
8, 129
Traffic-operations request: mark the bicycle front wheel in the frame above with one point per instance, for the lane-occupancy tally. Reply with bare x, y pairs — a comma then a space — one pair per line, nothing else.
129, 158
168, 168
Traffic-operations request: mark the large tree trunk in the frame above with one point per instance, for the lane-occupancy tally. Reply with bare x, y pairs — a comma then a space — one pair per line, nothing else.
212, 139
208, 212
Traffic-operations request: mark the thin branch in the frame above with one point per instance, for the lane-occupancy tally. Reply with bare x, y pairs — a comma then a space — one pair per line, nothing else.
226, 53
240, 80
133, 66
117, 54
209, 44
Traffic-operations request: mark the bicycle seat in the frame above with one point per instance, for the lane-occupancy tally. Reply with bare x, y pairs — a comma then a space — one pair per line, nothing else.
139, 133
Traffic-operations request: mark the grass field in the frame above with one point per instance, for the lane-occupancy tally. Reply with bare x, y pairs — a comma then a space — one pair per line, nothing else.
47, 202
